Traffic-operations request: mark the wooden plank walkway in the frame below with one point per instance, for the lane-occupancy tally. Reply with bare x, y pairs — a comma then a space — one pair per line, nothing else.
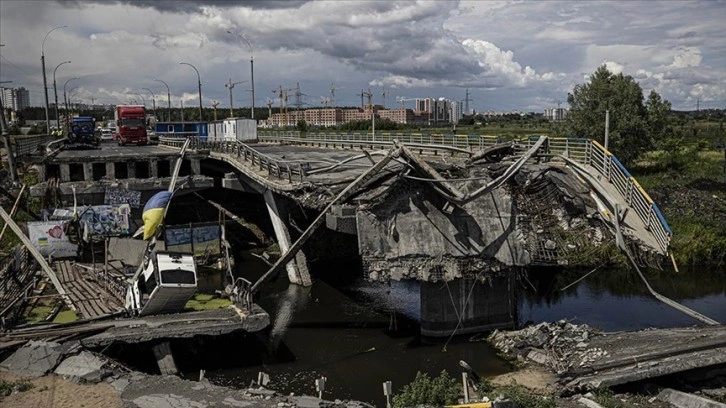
89, 296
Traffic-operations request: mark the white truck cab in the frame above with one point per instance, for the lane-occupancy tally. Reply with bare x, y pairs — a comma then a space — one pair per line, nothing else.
168, 281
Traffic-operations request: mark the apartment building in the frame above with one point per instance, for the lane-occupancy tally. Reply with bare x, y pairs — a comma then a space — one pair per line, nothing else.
15, 99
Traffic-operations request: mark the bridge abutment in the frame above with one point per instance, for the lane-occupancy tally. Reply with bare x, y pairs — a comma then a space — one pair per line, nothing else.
466, 305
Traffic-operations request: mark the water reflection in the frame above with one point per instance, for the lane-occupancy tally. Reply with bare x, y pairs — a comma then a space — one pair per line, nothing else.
617, 299
343, 326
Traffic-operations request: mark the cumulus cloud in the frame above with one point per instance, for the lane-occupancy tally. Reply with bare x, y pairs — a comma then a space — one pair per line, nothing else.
528, 51
686, 57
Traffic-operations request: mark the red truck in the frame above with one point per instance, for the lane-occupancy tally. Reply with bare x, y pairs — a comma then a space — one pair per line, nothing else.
131, 124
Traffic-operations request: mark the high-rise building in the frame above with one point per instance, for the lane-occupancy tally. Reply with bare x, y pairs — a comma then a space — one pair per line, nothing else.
555, 114
457, 111
15, 99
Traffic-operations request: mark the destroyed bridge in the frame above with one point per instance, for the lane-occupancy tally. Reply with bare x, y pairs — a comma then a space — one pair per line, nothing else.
435, 208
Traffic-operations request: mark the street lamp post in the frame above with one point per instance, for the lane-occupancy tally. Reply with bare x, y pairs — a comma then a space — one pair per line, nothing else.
168, 98
143, 100
199, 81
153, 99
252, 70
71, 94
55, 92
45, 81
65, 97
231, 85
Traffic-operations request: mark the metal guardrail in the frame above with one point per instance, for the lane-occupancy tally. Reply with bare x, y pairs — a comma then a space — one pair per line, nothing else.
282, 169
27, 145
583, 150
610, 167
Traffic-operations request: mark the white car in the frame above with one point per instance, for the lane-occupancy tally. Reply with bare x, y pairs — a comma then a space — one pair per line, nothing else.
106, 134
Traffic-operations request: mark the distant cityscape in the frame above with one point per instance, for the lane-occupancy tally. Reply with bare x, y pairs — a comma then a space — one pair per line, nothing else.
425, 111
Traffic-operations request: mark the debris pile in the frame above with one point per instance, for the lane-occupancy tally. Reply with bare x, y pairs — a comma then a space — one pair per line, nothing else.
559, 346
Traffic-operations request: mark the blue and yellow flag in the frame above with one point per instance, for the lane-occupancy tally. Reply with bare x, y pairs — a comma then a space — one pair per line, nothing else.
153, 214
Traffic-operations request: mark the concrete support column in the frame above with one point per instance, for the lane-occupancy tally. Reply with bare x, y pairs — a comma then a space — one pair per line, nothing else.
297, 270
111, 170
196, 166
87, 171
164, 359
41, 172
131, 166
154, 168
65, 172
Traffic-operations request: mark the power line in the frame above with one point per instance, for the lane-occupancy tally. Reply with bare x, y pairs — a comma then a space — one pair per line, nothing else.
13, 65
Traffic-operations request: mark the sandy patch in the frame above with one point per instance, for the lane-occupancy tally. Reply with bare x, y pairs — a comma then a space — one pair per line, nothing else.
53, 391
536, 379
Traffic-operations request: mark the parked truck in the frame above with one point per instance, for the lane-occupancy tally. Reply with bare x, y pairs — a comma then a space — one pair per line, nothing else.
130, 124
82, 132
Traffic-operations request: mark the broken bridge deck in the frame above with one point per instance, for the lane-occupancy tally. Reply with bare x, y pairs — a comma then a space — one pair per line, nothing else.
635, 356
101, 333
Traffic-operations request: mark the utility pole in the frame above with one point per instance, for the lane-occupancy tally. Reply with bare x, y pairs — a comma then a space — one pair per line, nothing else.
45, 80
607, 127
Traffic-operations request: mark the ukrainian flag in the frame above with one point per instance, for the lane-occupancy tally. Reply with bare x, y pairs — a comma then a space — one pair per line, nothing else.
153, 214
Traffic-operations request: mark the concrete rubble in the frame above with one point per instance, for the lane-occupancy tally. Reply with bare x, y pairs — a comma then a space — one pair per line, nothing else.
139, 390
558, 346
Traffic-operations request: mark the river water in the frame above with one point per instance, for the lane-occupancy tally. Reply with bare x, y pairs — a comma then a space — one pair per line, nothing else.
359, 334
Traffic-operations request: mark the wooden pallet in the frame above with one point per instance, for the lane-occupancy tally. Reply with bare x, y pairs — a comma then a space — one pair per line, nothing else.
89, 297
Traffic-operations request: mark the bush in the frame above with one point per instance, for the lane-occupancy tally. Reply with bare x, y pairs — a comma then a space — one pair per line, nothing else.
438, 391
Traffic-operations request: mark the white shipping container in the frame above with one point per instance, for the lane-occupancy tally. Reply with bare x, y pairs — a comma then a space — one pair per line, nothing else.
244, 130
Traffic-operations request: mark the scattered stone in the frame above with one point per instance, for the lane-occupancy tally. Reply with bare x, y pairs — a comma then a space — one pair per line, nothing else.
553, 345
261, 392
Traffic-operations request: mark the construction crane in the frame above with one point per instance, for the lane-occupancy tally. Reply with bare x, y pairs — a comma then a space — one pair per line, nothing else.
332, 94
270, 102
383, 94
368, 95
402, 100
230, 86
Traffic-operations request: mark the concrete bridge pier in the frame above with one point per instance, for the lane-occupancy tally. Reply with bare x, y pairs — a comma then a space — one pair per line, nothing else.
297, 270
468, 305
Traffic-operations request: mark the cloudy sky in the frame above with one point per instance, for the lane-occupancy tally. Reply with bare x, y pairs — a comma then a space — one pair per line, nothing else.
511, 55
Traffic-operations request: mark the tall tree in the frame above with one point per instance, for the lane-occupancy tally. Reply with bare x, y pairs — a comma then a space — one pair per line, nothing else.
623, 97
658, 110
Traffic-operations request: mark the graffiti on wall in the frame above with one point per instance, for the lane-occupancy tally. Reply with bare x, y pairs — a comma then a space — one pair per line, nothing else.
202, 239
115, 196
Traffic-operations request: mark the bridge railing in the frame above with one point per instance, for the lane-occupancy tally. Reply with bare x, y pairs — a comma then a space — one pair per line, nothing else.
282, 169
438, 139
27, 145
639, 201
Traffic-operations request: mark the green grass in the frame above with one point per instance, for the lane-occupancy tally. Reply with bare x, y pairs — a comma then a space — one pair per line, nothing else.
39, 313
7, 387
206, 302
65, 316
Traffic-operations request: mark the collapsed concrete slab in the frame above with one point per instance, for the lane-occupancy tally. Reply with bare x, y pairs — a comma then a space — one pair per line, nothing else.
85, 367
34, 359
